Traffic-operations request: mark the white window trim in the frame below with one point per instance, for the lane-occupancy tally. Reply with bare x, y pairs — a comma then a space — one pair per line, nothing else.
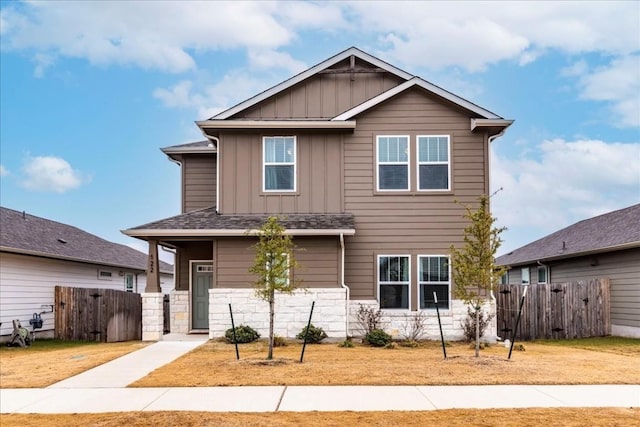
522, 270
420, 282
378, 163
109, 276
546, 274
419, 163
294, 164
407, 283
133, 282
506, 278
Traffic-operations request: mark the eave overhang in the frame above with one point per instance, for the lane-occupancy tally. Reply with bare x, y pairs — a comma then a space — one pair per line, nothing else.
558, 257
492, 126
214, 127
168, 234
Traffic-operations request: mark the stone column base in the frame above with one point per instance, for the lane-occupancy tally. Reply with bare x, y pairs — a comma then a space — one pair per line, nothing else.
152, 316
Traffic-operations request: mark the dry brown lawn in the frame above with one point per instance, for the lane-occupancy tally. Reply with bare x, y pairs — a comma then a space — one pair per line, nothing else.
47, 362
215, 364
570, 417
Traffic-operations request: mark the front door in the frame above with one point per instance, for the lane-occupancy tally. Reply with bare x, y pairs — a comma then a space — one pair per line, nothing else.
201, 280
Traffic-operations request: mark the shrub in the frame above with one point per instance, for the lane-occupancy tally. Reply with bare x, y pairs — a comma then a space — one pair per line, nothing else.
469, 324
409, 343
279, 341
244, 334
369, 319
391, 346
377, 338
346, 344
414, 326
315, 334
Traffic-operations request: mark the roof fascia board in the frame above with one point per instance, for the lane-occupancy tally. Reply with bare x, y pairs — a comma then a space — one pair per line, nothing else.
310, 72
479, 123
607, 249
232, 232
277, 124
192, 150
417, 81
73, 259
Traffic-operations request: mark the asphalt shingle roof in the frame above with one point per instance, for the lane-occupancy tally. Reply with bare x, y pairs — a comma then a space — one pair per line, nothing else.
619, 228
208, 219
24, 233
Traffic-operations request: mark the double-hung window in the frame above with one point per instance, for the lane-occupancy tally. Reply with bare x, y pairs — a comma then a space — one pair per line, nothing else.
279, 163
393, 281
393, 162
433, 276
434, 169
542, 274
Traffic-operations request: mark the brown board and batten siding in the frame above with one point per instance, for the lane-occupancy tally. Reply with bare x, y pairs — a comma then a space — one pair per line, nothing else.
198, 182
318, 176
324, 96
408, 222
318, 258
200, 251
623, 270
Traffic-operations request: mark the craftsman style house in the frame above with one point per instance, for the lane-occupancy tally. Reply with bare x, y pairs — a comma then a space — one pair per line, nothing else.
363, 163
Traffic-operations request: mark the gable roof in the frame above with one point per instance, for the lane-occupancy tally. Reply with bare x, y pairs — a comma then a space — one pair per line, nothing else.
207, 222
27, 234
411, 81
605, 233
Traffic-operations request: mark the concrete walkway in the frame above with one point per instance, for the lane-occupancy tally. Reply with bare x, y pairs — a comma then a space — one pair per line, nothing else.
103, 389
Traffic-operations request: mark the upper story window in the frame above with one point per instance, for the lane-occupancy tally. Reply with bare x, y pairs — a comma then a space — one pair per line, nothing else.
433, 276
433, 163
393, 162
393, 281
279, 163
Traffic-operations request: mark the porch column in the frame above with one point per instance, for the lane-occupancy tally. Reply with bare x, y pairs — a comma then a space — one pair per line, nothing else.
153, 268
152, 299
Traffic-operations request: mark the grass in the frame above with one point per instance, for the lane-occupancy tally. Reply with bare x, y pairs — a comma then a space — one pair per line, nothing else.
615, 345
569, 417
579, 362
46, 362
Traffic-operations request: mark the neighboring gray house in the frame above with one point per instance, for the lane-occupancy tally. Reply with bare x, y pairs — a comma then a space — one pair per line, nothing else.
37, 254
365, 163
604, 246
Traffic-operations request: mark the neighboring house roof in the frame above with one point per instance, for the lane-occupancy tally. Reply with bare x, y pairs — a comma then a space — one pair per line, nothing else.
411, 81
605, 233
206, 222
27, 234
191, 147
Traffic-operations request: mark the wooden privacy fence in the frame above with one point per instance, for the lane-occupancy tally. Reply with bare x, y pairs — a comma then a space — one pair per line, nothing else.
556, 310
105, 315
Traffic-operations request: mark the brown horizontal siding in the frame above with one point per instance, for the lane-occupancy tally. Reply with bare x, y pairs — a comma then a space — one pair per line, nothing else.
318, 258
407, 222
199, 182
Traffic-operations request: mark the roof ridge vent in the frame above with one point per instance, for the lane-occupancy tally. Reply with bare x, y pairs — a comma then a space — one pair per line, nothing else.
62, 241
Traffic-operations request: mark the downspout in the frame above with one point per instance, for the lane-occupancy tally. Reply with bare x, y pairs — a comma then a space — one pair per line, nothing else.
171, 251
344, 286
489, 141
217, 140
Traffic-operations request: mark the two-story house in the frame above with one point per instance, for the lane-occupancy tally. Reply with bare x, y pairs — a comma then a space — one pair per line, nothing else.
364, 163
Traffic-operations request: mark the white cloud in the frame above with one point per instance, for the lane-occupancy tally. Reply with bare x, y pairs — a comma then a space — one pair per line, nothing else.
49, 173
4, 171
571, 181
156, 35
270, 59
619, 83
210, 100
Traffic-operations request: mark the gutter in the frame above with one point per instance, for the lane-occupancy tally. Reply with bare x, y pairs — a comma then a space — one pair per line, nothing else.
344, 286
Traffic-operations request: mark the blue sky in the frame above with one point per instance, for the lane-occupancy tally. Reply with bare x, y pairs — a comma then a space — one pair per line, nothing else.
90, 91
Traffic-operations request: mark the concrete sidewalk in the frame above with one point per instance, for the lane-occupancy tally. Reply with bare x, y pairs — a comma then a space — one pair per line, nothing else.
310, 398
103, 389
